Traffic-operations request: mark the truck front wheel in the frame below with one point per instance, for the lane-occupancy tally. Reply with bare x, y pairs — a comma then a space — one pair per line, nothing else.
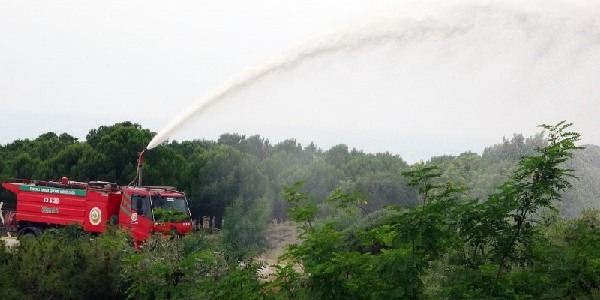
29, 233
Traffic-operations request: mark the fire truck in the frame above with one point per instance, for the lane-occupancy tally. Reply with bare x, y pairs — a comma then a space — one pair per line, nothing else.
93, 205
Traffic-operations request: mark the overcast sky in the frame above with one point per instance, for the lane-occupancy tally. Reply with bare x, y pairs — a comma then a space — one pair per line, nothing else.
70, 66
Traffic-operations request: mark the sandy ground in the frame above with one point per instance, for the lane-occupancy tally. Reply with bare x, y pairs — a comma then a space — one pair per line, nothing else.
279, 235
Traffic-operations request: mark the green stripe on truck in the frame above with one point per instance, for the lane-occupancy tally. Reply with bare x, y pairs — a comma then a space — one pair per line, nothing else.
52, 190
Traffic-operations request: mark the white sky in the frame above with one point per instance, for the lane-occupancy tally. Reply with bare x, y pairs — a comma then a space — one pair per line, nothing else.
71, 66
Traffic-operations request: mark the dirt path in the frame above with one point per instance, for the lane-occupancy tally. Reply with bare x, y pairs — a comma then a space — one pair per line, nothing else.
279, 235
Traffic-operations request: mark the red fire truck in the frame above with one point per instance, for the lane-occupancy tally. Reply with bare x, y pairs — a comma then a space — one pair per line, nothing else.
141, 209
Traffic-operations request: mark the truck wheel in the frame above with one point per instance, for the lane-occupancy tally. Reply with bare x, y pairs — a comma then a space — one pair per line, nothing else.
28, 235
113, 220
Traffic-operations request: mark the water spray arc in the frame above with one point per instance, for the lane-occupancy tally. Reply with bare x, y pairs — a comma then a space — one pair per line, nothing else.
480, 24
348, 40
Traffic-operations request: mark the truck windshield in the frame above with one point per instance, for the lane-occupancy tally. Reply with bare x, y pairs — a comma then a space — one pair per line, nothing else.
170, 209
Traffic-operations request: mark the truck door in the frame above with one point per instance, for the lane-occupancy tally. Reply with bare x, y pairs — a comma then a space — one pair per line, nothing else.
136, 215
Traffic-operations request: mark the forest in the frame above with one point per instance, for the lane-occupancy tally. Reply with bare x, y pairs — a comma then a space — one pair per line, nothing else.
520, 220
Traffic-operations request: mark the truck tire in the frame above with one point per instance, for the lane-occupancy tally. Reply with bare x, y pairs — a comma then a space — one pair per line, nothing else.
113, 220
28, 236
29, 233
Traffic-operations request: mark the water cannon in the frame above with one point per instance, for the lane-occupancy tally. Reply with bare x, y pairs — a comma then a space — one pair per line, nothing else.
140, 164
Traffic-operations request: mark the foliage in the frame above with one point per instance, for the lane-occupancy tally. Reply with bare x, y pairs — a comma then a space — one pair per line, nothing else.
388, 258
499, 234
240, 283
243, 233
371, 227
168, 268
569, 257
490, 249
65, 264
167, 215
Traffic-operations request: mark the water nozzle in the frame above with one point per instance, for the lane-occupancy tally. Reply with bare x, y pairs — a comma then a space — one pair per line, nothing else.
139, 166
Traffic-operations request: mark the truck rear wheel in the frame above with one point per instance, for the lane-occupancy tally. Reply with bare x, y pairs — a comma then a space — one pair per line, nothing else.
29, 236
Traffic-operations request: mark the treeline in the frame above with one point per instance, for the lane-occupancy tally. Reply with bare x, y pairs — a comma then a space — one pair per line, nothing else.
452, 244
213, 174
250, 171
